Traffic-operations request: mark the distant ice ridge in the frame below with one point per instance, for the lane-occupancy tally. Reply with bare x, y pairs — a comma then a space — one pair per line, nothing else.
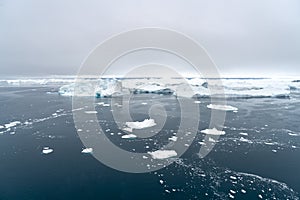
240, 88
155, 88
99, 89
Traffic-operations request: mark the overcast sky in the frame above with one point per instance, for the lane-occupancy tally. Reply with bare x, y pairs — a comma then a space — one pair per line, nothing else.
253, 37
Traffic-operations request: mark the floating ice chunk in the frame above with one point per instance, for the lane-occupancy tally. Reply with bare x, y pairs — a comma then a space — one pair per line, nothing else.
222, 107
129, 136
245, 134
173, 138
87, 150
1, 127
197, 102
109, 88
243, 191
140, 125
242, 139
12, 124
47, 150
163, 154
91, 112
161, 181
127, 129
293, 134
232, 191
233, 177
213, 131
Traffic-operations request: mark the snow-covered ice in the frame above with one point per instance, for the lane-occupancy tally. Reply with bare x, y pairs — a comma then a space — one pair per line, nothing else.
173, 138
213, 131
47, 150
140, 125
129, 136
222, 107
87, 150
163, 154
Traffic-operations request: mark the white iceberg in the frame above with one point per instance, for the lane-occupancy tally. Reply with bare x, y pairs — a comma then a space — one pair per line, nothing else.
98, 88
222, 107
163, 154
129, 136
109, 88
87, 150
155, 88
213, 131
47, 150
140, 125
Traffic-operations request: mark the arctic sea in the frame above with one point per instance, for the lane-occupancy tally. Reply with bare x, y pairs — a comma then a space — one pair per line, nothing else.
258, 157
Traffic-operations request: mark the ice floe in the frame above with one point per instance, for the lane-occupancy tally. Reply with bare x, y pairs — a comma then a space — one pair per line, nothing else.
163, 154
87, 150
129, 136
213, 131
173, 138
139, 125
12, 124
222, 107
47, 150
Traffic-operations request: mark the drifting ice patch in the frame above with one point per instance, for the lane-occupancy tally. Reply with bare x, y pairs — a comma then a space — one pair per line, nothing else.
140, 125
213, 131
47, 150
12, 124
91, 112
87, 150
129, 136
222, 107
173, 138
162, 154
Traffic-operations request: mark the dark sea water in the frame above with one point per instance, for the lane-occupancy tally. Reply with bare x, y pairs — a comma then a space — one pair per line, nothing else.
262, 164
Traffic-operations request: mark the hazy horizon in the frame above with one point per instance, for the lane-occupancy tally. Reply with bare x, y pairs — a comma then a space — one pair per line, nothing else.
249, 38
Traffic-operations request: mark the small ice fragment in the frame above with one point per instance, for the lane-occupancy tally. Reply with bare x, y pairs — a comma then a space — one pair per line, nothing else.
231, 196
167, 191
145, 157
161, 181
12, 124
162, 154
243, 191
222, 107
232, 191
47, 150
129, 136
140, 125
245, 134
87, 150
173, 138
144, 103
91, 112
260, 196
197, 102
233, 177
213, 131
274, 150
